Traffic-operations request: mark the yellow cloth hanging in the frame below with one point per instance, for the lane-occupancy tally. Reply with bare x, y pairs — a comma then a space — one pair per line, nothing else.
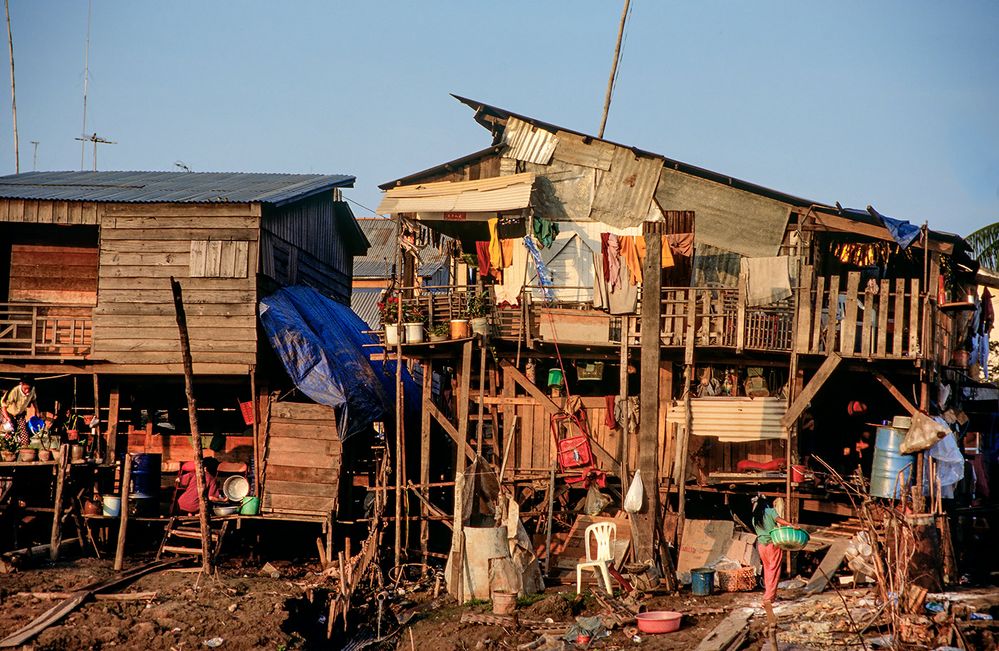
495, 247
633, 252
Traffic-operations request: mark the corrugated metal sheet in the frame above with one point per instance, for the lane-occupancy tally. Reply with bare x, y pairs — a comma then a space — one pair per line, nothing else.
381, 254
486, 195
364, 303
733, 419
169, 187
528, 143
587, 152
725, 217
624, 192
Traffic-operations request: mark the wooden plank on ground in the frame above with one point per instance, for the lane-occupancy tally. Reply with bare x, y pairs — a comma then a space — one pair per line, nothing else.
830, 563
731, 629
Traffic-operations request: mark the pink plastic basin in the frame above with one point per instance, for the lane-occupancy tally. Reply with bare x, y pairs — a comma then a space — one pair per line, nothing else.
659, 621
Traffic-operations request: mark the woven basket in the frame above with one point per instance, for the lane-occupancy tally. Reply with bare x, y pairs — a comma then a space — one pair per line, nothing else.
740, 580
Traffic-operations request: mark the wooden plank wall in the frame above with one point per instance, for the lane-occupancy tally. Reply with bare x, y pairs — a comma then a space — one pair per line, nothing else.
142, 246
302, 461
49, 212
176, 448
53, 274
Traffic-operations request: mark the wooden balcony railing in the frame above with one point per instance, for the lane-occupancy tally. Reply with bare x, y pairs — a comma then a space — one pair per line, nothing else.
45, 331
881, 320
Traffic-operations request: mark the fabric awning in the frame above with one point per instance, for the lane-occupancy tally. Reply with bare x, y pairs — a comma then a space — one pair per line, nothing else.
456, 200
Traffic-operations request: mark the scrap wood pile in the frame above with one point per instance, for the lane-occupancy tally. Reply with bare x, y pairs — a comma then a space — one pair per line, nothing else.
903, 553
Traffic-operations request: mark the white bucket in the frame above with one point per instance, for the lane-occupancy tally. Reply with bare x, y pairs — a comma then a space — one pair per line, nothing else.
414, 333
111, 505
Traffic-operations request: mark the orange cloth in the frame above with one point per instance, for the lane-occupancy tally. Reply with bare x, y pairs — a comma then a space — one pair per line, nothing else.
495, 248
506, 248
629, 255
771, 556
633, 254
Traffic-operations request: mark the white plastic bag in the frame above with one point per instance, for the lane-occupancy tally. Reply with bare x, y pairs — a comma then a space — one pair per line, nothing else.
635, 496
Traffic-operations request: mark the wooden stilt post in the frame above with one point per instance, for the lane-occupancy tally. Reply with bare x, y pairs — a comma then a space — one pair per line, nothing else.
646, 520
192, 411
458, 537
623, 395
126, 480
94, 431
482, 397
57, 510
114, 402
428, 384
256, 431
688, 425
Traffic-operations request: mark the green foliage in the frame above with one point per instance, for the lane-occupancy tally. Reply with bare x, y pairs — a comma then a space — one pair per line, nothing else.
985, 242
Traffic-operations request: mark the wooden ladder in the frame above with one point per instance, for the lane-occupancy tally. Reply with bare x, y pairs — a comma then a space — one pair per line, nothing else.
183, 537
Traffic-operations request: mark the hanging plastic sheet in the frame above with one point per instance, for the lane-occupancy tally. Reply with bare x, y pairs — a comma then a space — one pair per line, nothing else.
544, 274
320, 343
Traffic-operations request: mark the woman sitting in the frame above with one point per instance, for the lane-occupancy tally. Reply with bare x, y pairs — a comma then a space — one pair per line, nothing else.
188, 501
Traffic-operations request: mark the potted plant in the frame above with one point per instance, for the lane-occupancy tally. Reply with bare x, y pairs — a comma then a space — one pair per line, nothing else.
440, 331
476, 308
388, 308
8, 447
27, 454
412, 319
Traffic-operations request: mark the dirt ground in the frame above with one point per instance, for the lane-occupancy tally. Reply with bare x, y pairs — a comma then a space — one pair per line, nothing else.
246, 610
241, 609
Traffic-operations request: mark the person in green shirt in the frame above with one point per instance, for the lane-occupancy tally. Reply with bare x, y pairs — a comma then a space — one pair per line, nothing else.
765, 520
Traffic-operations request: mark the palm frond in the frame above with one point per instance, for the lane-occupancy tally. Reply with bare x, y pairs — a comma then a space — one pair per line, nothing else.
985, 243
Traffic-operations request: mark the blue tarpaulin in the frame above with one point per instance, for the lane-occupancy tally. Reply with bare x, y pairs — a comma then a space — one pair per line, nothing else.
319, 342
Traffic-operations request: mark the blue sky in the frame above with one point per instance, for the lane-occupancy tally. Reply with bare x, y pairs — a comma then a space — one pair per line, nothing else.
892, 103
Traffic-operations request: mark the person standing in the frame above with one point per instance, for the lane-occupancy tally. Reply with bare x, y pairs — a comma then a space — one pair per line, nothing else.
14, 409
765, 520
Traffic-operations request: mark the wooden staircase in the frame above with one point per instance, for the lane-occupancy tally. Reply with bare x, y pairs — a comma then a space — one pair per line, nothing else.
183, 537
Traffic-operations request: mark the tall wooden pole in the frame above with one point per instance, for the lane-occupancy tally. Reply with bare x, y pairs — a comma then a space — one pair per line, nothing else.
126, 480
646, 520
57, 511
613, 73
428, 383
399, 403
13, 95
192, 411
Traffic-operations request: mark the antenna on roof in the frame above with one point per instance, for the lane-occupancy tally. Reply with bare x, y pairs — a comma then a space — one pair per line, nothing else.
182, 165
86, 82
97, 140
34, 155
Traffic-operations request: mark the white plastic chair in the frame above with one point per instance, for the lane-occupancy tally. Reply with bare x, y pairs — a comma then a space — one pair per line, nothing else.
605, 533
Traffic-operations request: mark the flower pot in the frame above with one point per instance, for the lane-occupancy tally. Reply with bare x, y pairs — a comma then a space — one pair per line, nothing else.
414, 333
45, 455
7, 455
504, 603
437, 337
26, 455
459, 328
392, 332
479, 325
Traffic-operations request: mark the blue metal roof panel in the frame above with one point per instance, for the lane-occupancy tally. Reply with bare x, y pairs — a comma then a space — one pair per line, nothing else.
169, 187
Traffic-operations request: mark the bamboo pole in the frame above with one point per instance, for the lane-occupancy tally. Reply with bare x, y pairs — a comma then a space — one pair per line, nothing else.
613, 73
192, 411
57, 511
126, 480
13, 95
399, 403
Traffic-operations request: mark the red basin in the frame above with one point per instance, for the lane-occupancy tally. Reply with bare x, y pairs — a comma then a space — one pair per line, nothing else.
659, 621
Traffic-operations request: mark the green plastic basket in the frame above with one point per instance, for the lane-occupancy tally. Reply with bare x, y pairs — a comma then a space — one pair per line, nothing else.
789, 538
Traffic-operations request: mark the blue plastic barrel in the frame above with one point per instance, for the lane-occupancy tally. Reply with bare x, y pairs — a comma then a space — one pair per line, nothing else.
702, 581
888, 463
146, 473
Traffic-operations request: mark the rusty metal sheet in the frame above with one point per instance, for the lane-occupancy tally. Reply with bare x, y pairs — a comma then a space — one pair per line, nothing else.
726, 217
527, 142
579, 150
624, 192
733, 419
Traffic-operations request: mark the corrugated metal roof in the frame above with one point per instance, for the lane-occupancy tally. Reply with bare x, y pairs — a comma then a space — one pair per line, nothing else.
381, 254
527, 142
624, 192
733, 419
511, 192
169, 187
364, 303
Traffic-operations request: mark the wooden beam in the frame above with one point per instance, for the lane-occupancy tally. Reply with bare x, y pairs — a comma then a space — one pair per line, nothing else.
114, 402
645, 521
424, 492
450, 429
57, 510
801, 401
126, 479
551, 408
898, 395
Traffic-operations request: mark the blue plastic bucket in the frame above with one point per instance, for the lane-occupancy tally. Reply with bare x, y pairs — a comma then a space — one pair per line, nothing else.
890, 469
146, 473
702, 581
